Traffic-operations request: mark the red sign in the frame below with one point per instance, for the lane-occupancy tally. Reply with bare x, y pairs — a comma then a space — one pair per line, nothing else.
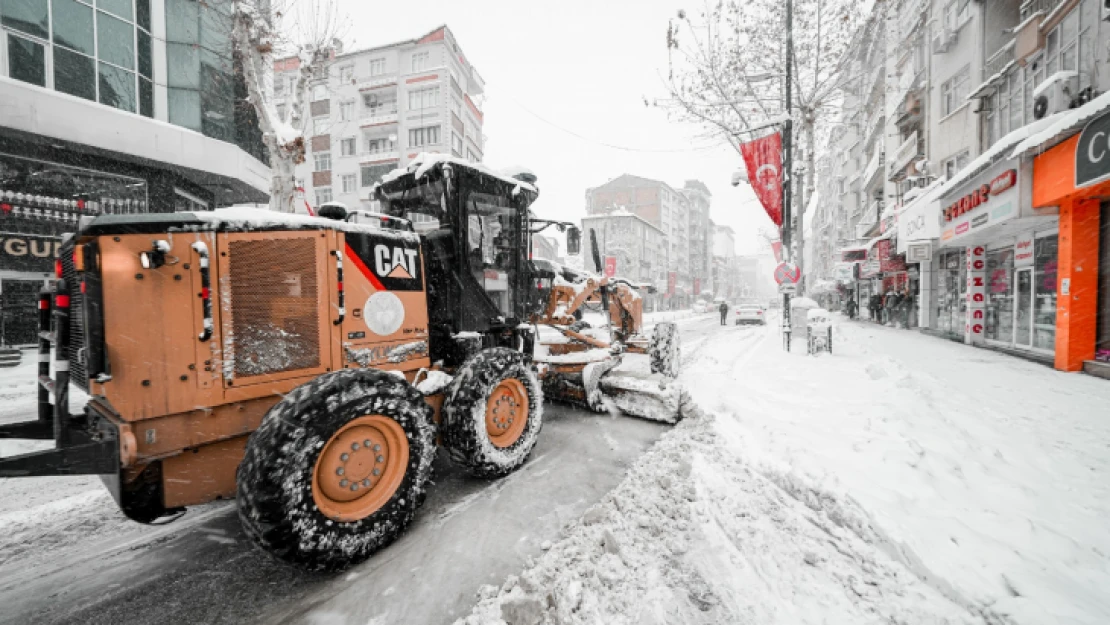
672, 278
763, 158
980, 196
697, 286
776, 249
610, 266
786, 272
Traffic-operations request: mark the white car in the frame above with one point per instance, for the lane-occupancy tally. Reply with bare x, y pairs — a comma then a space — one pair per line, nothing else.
749, 313
700, 307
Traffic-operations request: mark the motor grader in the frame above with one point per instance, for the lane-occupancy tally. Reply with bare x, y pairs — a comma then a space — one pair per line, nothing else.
311, 366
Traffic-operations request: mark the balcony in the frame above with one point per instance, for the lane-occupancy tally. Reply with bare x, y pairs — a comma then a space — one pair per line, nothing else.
1030, 7
904, 155
378, 117
378, 156
365, 83
873, 168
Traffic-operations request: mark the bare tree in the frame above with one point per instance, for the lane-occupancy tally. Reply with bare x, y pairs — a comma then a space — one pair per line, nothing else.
307, 33
728, 63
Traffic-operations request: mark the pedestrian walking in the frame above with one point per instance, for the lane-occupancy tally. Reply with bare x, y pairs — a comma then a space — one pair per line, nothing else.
851, 306
724, 312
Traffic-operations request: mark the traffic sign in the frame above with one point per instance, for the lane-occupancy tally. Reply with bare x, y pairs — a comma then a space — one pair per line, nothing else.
786, 272
788, 288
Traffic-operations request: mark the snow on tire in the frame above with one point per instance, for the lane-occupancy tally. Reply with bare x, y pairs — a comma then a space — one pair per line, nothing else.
481, 425
287, 504
664, 351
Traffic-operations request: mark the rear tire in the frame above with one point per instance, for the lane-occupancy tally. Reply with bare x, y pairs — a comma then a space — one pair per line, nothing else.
664, 351
288, 504
493, 413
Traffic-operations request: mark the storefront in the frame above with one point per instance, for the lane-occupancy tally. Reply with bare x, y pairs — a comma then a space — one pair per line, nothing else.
918, 230
994, 278
1074, 176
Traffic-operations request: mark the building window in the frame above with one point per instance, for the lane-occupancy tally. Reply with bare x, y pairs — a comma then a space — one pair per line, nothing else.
347, 146
323, 196
346, 111
319, 92
346, 74
956, 13
375, 105
104, 56
281, 111
279, 86
425, 98
420, 61
377, 67
953, 165
456, 144
378, 145
423, 136
322, 161
349, 183
953, 93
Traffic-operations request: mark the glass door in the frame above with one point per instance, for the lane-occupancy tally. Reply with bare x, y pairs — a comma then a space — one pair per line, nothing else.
1023, 308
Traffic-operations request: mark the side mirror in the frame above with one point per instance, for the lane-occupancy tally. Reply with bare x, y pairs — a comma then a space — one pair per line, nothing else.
574, 241
595, 251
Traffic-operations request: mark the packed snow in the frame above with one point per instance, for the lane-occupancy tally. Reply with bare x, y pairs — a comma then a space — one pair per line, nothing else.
902, 479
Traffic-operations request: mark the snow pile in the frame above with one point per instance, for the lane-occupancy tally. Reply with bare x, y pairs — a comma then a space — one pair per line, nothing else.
693, 535
251, 218
433, 382
425, 161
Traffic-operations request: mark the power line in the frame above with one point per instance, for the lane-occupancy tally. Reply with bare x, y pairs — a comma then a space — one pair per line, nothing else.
610, 145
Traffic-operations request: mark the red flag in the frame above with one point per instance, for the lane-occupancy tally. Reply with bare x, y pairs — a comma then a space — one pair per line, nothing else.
776, 247
610, 266
764, 160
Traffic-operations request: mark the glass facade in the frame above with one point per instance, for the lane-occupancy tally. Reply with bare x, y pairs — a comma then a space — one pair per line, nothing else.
1000, 295
101, 50
92, 49
1045, 252
950, 287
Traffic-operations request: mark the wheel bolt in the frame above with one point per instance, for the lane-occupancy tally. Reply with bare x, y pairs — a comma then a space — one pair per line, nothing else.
377, 447
366, 443
354, 446
354, 487
343, 483
377, 472
339, 471
381, 458
344, 457
366, 482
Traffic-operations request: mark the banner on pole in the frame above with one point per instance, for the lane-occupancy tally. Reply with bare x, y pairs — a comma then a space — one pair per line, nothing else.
672, 279
776, 247
610, 266
763, 158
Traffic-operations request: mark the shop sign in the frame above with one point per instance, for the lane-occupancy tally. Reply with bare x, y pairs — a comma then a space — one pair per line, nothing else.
25, 252
919, 252
843, 272
975, 325
1092, 153
970, 211
1023, 251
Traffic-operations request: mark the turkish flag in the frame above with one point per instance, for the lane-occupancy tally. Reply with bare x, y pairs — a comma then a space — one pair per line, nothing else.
610, 266
776, 248
764, 160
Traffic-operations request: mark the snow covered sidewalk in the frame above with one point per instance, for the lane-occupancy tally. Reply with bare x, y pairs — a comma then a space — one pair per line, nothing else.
901, 479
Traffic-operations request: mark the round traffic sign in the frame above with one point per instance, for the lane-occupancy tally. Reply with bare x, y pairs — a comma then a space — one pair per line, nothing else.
786, 272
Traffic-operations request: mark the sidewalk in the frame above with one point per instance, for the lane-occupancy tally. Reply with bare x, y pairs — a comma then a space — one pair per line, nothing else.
988, 476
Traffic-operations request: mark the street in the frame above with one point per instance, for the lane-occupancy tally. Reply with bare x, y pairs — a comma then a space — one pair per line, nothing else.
72, 557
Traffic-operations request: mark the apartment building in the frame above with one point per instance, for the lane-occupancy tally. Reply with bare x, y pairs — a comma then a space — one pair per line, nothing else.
375, 109
129, 106
637, 245
669, 210
998, 178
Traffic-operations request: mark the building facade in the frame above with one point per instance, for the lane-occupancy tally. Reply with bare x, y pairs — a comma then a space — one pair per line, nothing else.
682, 217
376, 109
127, 106
998, 176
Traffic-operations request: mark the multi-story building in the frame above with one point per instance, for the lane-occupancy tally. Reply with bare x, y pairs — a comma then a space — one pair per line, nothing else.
375, 109
638, 246
545, 247
669, 210
997, 190
116, 107
725, 275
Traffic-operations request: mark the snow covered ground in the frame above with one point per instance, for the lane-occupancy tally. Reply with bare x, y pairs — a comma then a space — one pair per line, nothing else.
903, 479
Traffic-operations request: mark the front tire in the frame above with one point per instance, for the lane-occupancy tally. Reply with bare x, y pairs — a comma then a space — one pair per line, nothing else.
493, 413
337, 469
664, 351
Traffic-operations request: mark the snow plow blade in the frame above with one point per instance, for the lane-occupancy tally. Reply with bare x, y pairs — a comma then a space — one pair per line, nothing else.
656, 397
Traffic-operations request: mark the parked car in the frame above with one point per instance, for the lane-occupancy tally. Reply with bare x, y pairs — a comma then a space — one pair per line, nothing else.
750, 313
701, 306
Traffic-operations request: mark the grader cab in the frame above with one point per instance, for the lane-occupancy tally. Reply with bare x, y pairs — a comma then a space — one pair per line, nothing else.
310, 366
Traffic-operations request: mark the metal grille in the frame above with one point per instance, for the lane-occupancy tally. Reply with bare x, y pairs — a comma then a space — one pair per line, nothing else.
274, 306
77, 374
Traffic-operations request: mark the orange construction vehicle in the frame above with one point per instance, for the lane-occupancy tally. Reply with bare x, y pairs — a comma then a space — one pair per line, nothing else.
310, 366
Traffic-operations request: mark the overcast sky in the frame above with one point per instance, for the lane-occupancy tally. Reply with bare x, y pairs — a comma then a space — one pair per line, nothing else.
557, 69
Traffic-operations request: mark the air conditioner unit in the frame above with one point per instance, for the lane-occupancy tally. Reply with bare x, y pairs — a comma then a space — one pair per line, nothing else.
1106, 10
943, 40
1055, 94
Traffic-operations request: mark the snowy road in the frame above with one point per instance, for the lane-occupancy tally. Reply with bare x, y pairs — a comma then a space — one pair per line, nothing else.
66, 554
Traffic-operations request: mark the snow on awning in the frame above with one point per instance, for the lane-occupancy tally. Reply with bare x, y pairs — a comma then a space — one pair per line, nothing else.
882, 237
1061, 126
855, 248
989, 84
990, 156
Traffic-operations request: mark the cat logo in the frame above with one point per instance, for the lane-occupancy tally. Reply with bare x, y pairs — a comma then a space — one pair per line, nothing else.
396, 262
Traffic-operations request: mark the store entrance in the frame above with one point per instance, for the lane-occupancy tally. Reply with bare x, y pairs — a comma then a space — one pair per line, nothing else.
1023, 308
1102, 344
19, 311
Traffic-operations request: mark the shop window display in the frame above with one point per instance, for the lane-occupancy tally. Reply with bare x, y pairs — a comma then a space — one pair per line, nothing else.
1000, 296
1044, 293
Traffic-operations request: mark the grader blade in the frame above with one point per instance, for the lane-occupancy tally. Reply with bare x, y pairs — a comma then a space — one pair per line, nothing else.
655, 397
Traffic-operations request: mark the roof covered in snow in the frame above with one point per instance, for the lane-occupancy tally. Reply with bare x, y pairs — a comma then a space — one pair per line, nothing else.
426, 161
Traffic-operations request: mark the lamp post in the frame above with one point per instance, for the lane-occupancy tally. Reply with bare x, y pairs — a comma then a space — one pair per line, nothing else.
787, 164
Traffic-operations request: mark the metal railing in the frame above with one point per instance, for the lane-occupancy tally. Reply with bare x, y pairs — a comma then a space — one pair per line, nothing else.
1029, 7
999, 60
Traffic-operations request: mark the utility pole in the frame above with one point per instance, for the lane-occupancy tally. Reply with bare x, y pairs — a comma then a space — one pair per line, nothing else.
787, 164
